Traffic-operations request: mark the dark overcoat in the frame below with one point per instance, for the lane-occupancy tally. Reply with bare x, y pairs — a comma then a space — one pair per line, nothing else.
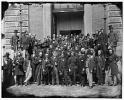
19, 69
14, 42
100, 64
72, 62
81, 62
113, 59
24, 42
7, 72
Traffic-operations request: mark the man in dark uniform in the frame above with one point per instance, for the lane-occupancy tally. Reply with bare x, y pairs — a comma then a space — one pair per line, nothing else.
19, 70
72, 65
24, 42
34, 65
54, 64
14, 42
102, 40
46, 69
33, 40
100, 65
63, 68
39, 69
81, 67
113, 38
7, 70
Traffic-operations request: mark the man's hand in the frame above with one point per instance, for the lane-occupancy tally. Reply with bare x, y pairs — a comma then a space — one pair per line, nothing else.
39, 60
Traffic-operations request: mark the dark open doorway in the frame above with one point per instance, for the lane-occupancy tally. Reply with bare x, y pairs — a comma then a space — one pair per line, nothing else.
69, 32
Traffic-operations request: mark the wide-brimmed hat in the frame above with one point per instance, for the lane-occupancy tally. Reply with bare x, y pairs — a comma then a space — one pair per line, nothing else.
15, 31
7, 54
110, 27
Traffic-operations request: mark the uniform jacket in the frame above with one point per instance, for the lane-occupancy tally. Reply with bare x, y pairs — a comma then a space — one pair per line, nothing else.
113, 59
100, 62
102, 38
113, 37
62, 63
72, 62
14, 42
81, 62
91, 63
54, 61
24, 42
19, 69
8, 66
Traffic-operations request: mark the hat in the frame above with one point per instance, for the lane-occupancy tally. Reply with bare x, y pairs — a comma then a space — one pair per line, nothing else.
15, 31
7, 54
110, 27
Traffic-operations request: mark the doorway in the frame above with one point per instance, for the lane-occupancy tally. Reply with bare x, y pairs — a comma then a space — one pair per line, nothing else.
69, 32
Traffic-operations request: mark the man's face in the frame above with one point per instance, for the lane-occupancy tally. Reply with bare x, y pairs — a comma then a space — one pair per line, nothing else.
15, 33
40, 54
76, 48
99, 52
62, 55
50, 46
72, 53
110, 51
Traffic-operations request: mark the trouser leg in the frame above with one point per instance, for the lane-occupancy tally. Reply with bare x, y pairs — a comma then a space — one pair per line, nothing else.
106, 77
53, 77
74, 76
17, 79
90, 79
115, 80
21, 79
57, 77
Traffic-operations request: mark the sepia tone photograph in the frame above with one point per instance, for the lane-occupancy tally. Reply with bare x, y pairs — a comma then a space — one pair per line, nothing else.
61, 49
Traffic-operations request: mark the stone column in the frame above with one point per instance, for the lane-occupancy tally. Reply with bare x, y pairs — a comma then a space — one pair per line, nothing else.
88, 19
47, 18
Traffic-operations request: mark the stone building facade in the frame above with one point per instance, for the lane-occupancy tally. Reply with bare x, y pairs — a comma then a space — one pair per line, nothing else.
56, 18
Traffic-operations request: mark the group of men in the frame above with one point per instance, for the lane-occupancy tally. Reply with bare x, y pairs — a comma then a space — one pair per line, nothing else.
65, 60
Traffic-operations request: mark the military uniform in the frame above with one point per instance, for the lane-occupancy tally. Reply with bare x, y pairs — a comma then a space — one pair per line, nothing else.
100, 65
34, 64
82, 68
63, 69
103, 40
113, 39
54, 63
19, 70
113, 59
72, 65
39, 70
7, 72
90, 64
46, 71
